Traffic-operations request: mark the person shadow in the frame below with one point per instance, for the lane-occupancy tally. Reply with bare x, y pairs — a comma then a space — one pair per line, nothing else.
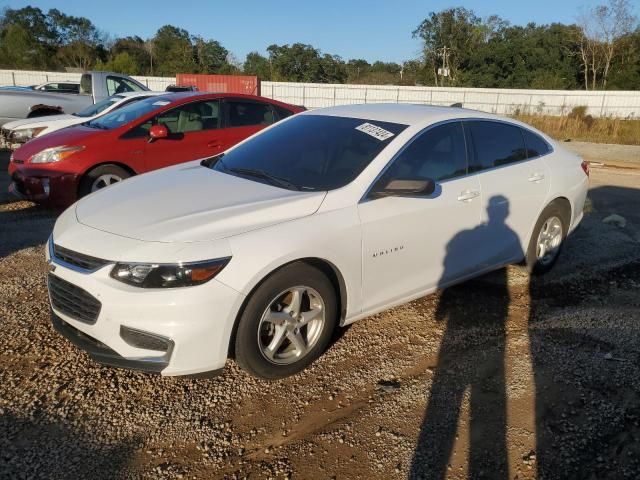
471, 364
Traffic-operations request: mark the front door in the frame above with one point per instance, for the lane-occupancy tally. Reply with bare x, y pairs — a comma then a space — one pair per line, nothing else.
194, 132
412, 244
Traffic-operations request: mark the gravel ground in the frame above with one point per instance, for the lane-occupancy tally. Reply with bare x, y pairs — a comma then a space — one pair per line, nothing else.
495, 378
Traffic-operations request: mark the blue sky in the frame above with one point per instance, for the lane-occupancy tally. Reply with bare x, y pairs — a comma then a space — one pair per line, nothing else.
369, 29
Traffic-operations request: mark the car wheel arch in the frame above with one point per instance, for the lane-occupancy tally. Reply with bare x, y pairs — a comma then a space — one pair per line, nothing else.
102, 164
566, 207
325, 266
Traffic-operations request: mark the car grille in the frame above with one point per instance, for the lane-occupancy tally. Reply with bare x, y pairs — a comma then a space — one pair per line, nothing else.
86, 262
72, 300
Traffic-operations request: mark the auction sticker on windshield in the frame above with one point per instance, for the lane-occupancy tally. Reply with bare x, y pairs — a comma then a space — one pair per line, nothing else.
376, 132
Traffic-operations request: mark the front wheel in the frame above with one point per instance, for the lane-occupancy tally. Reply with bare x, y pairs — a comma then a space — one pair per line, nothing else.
547, 239
287, 322
101, 177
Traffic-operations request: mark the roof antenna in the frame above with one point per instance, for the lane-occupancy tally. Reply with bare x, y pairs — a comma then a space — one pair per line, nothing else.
456, 105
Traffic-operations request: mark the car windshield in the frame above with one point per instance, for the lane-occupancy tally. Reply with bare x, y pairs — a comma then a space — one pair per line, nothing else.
310, 152
96, 108
128, 113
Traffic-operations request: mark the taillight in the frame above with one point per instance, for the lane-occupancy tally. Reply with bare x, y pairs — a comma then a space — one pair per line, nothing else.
585, 167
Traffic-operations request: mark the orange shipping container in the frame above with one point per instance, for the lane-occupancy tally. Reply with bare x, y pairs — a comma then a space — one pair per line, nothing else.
246, 84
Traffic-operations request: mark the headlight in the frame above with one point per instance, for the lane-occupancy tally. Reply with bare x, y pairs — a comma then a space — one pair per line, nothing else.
54, 154
149, 275
25, 134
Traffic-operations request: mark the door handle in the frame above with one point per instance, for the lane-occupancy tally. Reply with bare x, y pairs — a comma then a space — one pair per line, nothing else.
536, 177
468, 195
137, 152
214, 144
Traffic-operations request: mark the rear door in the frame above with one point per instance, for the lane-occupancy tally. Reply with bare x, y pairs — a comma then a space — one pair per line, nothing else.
514, 187
244, 117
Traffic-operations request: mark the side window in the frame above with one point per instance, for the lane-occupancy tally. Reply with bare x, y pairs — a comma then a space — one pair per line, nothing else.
192, 117
439, 154
536, 145
244, 114
120, 85
282, 113
494, 144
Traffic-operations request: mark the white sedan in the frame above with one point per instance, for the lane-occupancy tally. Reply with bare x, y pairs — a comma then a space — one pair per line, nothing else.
318, 221
14, 134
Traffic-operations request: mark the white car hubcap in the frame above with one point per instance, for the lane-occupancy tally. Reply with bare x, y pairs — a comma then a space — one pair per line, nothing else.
549, 240
104, 181
291, 325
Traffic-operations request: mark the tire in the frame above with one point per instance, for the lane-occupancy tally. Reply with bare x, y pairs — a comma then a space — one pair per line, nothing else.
97, 178
267, 321
554, 212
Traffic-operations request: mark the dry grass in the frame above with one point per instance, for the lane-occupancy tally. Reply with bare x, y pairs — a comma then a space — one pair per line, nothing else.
580, 127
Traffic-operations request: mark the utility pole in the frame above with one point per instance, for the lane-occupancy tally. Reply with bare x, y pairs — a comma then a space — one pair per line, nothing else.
444, 53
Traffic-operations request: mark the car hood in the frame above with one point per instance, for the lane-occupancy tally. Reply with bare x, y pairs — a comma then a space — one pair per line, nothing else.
74, 135
39, 121
190, 203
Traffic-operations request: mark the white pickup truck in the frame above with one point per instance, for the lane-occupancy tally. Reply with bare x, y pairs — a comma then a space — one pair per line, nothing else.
94, 86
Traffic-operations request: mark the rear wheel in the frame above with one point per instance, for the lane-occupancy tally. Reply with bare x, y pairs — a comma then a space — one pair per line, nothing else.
547, 239
101, 177
287, 322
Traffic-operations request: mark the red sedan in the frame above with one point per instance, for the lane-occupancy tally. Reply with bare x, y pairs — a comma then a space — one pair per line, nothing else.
58, 168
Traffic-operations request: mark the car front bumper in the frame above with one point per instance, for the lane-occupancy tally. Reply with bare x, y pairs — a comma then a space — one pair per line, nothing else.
195, 323
40, 185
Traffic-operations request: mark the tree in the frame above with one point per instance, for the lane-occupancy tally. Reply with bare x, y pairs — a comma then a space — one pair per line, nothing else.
135, 48
603, 32
332, 69
295, 63
449, 38
173, 51
211, 56
256, 64
356, 68
79, 41
26, 39
121, 63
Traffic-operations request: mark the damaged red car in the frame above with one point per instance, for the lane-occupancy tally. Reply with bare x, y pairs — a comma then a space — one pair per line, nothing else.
58, 168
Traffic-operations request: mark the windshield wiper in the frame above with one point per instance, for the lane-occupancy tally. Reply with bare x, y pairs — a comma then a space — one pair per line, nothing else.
96, 125
273, 179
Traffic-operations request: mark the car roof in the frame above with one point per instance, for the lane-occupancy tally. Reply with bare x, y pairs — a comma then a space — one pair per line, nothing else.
403, 113
184, 97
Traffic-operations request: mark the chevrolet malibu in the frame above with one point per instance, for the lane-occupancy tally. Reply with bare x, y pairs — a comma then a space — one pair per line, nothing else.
327, 217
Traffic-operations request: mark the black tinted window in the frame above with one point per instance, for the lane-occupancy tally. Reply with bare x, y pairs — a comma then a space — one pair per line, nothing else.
536, 146
311, 152
244, 114
282, 112
439, 154
494, 144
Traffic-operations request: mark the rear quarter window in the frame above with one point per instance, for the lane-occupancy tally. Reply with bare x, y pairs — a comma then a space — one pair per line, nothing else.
535, 144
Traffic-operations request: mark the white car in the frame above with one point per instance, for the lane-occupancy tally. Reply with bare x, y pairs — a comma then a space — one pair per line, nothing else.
14, 134
318, 221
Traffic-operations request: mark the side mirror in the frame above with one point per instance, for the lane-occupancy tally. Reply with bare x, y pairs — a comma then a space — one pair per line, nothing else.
400, 187
157, 132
